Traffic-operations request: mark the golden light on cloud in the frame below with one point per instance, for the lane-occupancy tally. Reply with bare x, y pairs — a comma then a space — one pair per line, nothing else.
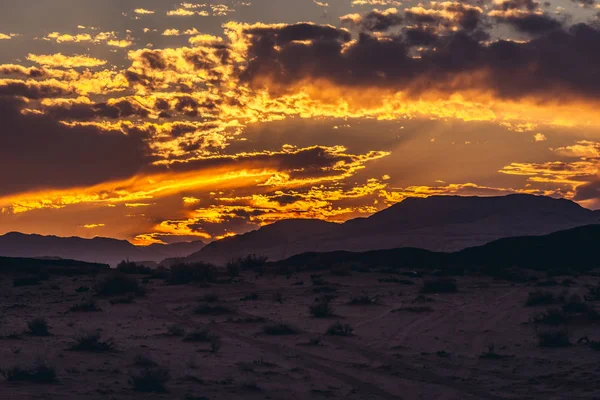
93, 226
60, 60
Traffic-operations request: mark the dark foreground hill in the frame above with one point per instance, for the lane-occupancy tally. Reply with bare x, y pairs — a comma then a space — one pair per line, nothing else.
100, 250
438, 223
573, 250
11, 265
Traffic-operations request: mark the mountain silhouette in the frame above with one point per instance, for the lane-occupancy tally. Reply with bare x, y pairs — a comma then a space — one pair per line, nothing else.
96, 250
437, 223
574, 249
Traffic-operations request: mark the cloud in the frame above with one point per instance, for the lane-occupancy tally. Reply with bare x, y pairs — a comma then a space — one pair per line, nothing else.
44, 153
60, 60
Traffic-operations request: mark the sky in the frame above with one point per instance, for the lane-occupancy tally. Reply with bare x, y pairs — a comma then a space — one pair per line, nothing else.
158, 121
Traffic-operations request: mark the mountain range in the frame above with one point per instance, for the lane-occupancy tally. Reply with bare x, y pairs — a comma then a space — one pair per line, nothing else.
437, 223
96, 250
568, 250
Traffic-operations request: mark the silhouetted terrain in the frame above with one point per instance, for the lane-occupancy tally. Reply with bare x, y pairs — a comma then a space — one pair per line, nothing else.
439, 223
47, 266
101, 250
574, 249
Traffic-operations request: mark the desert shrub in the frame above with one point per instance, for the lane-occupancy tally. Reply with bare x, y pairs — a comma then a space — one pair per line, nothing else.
211, 309
547, 283
128, 267
414, 309
210, 298
92, 342
280, 329
393, 279
317, 280
143, 361
439, 286
555, 338
491, 353
26, 281
198, 335
574, 304
123, 300
321, 308
86, 306
339, 329
175, 330
542, 297
567, 282
215, 344
150, 380
324, 289
422, 299
278, 297
250, 297
82, 289
341, 269
364, 300
551, 317
38, 327
594, 345
118, 283
593, 294
251, 262
38, 373
193, 273
160, 273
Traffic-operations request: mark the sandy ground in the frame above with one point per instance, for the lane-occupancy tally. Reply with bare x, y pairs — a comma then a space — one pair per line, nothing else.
393, 354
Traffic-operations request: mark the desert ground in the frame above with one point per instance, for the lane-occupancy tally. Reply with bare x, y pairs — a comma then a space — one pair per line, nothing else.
254, 338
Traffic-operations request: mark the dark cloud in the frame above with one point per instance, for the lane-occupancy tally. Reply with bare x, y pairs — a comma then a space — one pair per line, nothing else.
32, 89
44, 153
588, 191
561, 61
83, 111
585, 3
533, 24
375, 21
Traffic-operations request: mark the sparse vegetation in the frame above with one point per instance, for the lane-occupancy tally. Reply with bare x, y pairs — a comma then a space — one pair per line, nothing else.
118, 283
593, 294
152, 379
210, 298
554, 338
89, 305
364, 300
143, 361
414, 309
321, 308
175, 330
211, 309
280, 329
551, 317
128, 267
250, 297
278, 297
393, 279
38, 373
92, 342
574, 304
26, 281
38, 327
198, 335
339, 329
192, 273
542, 297
442, 285
251, 262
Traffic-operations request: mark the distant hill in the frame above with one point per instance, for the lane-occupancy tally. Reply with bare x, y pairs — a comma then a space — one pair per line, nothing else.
99, 250
574, 249
437, 223
49, 265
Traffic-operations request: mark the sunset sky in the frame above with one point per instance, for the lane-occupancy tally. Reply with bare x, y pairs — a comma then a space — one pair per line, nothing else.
160, 121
